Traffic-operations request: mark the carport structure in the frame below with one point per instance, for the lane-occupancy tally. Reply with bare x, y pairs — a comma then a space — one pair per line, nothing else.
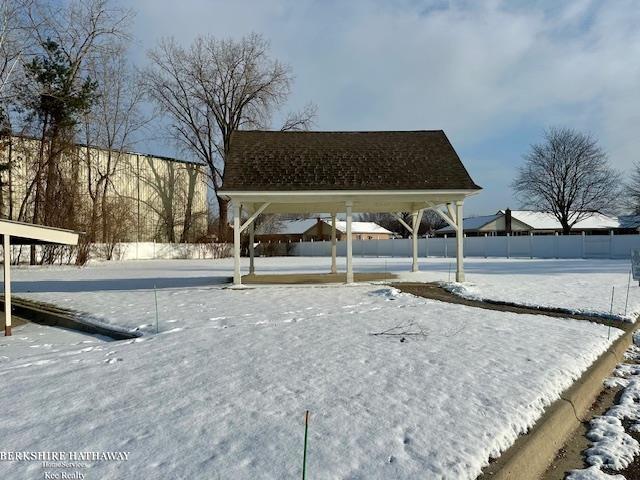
345, 172
19, 233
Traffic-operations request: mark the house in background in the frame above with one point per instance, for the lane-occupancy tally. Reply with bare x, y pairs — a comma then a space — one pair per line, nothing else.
525, 222
319, 229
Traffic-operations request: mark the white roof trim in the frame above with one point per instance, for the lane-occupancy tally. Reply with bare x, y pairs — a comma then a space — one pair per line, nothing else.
38, 233
342, 193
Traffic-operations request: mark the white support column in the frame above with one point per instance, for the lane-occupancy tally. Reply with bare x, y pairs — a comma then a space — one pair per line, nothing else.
334, 244
6, 267
416, 218
460, 243
252, 268
237, 278
349, 206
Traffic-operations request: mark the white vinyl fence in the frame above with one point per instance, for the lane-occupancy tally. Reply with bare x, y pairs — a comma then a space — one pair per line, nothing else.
153, 250
133, 251
525, 246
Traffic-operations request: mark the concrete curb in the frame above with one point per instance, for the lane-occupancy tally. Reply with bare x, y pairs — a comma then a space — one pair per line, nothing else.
530, 456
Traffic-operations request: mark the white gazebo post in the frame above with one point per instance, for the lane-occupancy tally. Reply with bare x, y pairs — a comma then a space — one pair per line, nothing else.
237, 278
334, 246
252, 268
349, 206
459, 242
417, 218
6, 267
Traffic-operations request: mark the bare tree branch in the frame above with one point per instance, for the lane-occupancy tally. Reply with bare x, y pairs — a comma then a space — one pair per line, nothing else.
213, 88
301, 120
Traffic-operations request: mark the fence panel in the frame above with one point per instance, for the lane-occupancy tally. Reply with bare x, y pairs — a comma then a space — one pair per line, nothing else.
522, 246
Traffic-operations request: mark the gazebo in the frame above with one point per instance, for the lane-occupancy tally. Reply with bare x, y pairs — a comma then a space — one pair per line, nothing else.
345, 172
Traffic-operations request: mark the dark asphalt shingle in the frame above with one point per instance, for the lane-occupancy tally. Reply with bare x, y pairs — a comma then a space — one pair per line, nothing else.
295, 161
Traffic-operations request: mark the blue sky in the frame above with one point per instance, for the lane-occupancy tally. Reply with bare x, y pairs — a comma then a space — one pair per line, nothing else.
492, 74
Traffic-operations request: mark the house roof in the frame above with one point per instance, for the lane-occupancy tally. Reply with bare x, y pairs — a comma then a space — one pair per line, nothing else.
298, 227
476, 223
324, 161
538, 220
547, 220
292, 227
361, 227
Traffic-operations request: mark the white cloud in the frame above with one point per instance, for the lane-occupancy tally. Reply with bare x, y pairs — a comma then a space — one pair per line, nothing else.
475, 69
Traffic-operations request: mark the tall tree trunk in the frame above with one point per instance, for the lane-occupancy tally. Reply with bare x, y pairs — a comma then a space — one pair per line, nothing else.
38, 193
192, 178
223, 227
105, 191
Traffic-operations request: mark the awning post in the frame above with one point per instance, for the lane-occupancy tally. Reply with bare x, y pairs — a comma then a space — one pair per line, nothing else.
459, 242
349, 206
237, 279
252, 229
334, 245
417, 218
6, 269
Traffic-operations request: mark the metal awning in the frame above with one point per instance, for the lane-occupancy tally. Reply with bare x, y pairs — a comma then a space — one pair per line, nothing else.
20, 233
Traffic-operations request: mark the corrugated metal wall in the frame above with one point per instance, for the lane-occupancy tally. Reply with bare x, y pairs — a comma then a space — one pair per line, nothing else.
150, 188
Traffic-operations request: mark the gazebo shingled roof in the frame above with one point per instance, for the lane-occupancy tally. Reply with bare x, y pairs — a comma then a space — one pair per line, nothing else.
294, 161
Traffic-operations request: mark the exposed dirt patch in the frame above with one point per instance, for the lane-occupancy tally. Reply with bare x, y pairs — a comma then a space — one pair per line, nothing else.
434, 291
314, 278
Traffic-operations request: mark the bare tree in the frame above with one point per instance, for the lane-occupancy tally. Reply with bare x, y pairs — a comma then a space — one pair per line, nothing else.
632, 190
214, 88
14, 43
83, 29
301, 120
59, 90
112, 124
568, 175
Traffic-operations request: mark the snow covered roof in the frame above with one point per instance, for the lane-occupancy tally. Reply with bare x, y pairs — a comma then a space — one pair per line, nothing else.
298, 227
472, 223
295, 227
361, 227
538, 220
547, 221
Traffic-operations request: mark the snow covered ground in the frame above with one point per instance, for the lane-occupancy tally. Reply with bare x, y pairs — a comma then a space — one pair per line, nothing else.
221, 391
122, 292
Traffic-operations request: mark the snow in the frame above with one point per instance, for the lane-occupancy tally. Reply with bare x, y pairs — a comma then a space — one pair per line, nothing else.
582, 286
592, 473
547, 220
361, 227
221, 391
611, 447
